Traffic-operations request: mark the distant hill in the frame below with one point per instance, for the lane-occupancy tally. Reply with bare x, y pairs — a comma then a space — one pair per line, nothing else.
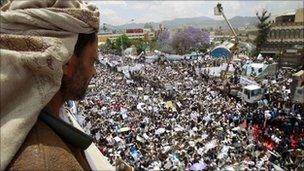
201, 22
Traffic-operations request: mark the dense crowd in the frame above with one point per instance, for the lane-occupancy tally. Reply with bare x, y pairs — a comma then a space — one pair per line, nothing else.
171, 116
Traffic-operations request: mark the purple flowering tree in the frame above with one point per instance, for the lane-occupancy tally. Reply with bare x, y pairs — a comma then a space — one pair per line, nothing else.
190, 39
164, 42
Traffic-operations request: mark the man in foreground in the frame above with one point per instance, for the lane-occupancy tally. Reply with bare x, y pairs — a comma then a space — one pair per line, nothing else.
48, 50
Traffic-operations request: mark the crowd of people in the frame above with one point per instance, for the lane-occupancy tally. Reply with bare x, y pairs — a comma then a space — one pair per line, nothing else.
171, 115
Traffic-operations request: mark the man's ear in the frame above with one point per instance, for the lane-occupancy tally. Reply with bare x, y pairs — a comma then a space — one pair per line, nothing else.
69, 67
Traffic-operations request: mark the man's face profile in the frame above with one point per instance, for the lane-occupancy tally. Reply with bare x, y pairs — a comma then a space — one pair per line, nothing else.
78, 72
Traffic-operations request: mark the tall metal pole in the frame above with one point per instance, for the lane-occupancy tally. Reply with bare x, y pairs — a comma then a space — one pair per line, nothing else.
220, 12
220, 8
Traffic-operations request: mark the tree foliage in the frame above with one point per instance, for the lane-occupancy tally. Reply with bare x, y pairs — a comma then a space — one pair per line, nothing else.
122, 42
163, 42
190, 39
263, 29
108, 47
153, 43
115, 46
139, 45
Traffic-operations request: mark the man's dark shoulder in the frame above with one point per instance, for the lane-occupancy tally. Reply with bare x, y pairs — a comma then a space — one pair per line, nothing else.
43, 149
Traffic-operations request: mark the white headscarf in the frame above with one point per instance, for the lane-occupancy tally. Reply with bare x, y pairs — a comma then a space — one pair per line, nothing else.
37, 39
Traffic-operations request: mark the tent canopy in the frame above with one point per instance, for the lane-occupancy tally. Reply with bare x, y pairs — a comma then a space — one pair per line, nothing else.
220, 52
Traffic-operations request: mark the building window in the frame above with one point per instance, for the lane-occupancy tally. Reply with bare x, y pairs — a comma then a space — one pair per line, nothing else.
275, 34
297, 33
283, 34
302, 33
280, 34
287, 34
271, 34
292, 34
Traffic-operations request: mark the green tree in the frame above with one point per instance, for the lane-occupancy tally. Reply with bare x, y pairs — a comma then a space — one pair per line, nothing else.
264, 28
140, 44
109, 44
144, 44
108, 47
122, 42
137, 43
141, 47
153, 44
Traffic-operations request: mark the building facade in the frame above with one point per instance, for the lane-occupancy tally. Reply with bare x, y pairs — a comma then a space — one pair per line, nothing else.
286, 38
130, 33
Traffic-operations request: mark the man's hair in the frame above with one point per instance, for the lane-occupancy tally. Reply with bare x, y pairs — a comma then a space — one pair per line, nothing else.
82, 41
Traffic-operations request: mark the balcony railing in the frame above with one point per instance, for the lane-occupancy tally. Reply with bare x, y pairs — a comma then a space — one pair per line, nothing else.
288, 24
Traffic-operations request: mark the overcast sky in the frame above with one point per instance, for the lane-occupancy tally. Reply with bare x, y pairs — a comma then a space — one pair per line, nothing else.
122, 12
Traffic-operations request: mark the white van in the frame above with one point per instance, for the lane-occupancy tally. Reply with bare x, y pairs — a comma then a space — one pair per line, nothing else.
251, 93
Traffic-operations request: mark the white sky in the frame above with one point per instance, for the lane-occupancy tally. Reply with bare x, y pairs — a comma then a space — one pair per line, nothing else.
122, 12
